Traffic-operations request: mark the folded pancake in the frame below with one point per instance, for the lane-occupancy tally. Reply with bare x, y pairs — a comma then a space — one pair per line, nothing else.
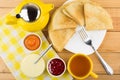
59, 38
96, 18
78, 12
75, 11
61, 28
61, 21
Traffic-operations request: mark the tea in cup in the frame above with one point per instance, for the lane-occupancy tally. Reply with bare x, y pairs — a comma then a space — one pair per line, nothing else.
80, 66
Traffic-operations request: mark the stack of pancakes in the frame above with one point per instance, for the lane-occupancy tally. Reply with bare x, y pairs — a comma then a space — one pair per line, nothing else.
73, 13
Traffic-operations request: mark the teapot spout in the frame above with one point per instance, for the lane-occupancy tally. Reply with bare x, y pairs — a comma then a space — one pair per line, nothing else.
9, 19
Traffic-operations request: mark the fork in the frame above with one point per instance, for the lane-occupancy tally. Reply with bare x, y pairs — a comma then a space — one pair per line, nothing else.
87, 40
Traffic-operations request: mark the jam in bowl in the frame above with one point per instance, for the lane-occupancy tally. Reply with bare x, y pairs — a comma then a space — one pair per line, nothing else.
56, 67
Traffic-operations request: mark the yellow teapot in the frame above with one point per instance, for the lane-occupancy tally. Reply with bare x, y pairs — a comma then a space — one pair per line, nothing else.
31, 15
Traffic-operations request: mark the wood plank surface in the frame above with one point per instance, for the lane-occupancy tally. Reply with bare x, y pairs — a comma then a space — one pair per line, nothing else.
6, 76
102, 77
3, 67
111, 43
109, 49
104, 3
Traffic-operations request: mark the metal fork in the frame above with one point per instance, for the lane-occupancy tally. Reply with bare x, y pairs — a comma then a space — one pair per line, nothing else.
84, 36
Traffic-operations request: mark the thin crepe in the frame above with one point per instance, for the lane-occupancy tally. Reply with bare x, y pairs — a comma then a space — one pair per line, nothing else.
61, 29
61, 21
78, 12
89, 14
59, 38
75, 11
96, 17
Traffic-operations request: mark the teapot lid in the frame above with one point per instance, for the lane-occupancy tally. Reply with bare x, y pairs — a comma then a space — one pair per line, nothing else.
29, 13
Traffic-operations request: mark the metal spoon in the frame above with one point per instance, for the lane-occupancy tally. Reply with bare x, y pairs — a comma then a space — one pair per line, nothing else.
43, 53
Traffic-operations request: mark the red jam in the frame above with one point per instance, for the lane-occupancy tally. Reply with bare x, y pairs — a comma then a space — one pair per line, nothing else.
56, 67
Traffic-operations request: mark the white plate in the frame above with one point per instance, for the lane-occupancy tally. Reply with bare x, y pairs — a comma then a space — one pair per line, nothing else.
76, 45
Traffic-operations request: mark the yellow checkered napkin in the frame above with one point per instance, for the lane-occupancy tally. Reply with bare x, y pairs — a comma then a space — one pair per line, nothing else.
13, 52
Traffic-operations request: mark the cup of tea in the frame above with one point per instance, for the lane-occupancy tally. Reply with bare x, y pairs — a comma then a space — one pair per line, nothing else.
56, 67
80, 66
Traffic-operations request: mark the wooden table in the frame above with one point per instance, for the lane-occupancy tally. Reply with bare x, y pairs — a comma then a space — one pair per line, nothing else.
109, 50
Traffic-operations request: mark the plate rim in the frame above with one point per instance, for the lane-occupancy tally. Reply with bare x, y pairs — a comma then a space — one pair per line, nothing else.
103, 31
